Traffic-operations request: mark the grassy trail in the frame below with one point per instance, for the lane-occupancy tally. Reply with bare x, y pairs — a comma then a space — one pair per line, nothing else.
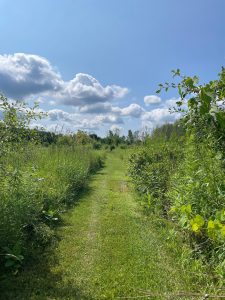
107, 249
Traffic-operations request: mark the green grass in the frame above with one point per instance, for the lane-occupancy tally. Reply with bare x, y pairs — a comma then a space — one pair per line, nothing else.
108, 248
37, 184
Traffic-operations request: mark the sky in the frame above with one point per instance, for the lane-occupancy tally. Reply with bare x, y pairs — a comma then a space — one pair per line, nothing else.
94, 65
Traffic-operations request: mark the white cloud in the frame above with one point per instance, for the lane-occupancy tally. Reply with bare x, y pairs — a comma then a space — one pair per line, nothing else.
152, 99
74, 121
116, 128
111, 118
96, 108
85, 89
23, 75
39, 100
26, 76
172, 102
52, 103
60, 115
158, 117
133, 110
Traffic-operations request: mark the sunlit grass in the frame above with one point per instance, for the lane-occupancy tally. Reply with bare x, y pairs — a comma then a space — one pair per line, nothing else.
109, 248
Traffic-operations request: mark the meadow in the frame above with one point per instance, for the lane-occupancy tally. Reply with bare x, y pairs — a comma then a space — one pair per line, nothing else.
84, 217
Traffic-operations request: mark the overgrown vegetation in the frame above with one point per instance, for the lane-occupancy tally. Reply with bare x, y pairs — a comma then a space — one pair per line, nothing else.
109, 249
181, 168
37, 183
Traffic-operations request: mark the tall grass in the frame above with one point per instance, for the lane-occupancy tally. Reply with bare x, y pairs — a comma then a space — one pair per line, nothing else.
37, 185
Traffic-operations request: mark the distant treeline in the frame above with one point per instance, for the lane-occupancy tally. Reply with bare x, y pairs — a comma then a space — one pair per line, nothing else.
113, 138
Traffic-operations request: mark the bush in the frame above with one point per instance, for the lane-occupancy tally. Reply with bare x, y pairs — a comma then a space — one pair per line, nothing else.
198, 196
150, 169
37, 184
182, 169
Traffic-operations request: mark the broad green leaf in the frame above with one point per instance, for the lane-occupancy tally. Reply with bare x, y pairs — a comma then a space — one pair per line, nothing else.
205, 101
196, 223
199, 220
195, 227
211, 225
186, 209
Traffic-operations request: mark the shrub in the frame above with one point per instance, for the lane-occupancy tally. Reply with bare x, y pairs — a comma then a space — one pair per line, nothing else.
190, 178
150, 169
37, 183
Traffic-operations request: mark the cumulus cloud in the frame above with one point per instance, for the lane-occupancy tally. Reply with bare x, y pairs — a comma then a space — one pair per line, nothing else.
98, 115
61, 118
160, 116
96, 108
111, 118
60, 115
85, 89
22, 75
171, 102
133, 110
152, 99
27, 76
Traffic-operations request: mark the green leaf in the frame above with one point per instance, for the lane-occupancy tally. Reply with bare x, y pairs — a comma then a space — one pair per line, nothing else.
179, 103
195, 227
189, 82
210, 225
196, 223
186, 209
206, 100
180, 92
199, 219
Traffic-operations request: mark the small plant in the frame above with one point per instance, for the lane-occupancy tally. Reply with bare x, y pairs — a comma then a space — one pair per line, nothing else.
51, 216
13, 258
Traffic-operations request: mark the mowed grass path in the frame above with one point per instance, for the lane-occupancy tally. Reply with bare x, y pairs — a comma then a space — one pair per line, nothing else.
108, 248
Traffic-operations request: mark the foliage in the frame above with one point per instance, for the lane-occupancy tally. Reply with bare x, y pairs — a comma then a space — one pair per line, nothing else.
203, 106
108, 229
150, 169
37, 183
194, 186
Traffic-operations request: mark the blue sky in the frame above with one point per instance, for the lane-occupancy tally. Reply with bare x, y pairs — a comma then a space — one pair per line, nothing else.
91, 63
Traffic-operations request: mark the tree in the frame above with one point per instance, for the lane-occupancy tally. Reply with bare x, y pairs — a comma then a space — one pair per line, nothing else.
203, 107
130, 137
82, 138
